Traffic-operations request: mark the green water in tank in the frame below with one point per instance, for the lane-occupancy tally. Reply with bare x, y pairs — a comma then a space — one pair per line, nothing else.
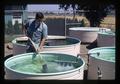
107, 33
35, 66
58, 42
22, 42
107, 54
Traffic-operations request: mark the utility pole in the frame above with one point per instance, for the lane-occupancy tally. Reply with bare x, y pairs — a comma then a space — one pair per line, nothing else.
65, 22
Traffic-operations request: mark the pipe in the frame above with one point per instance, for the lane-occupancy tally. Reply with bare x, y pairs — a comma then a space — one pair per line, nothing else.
99, 74
33, 45
88, 54
102, 30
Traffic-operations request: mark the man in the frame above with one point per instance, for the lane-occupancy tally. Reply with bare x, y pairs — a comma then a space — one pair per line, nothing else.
37, 32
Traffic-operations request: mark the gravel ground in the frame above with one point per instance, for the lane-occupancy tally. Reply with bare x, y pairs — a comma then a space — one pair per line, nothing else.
6, 50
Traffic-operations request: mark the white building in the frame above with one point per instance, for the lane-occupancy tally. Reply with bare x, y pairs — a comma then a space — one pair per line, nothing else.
15, 13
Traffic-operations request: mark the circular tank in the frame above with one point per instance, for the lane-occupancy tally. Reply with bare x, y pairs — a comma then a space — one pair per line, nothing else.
101, 29
86, 34
61, 44
58, 66
101, 63
106, 38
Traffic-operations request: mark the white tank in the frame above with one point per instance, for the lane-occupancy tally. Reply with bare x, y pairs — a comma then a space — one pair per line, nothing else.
85, 34
23, 72
106, 38
101, 63
55, 45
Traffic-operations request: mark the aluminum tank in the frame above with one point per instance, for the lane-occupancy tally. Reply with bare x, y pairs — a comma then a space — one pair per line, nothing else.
106, 38
73, 74
101, 63
55, 45
86, 34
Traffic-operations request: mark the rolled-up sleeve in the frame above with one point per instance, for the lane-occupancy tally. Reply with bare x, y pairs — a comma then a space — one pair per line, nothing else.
45, 31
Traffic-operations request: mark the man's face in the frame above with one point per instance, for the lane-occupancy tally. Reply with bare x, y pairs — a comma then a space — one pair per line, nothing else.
39, 20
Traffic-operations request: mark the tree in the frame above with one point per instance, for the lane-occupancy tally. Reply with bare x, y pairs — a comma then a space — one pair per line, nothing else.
94, 12
9, 28
16, 28
66, 6
83, 23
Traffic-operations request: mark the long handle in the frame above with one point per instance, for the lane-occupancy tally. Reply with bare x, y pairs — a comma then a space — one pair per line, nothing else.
33, 45
36, 52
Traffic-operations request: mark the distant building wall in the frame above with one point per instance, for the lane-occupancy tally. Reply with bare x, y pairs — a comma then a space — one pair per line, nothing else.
7, 18
15, 12
55, 26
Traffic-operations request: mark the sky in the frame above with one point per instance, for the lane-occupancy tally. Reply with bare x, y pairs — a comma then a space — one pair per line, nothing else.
43, 7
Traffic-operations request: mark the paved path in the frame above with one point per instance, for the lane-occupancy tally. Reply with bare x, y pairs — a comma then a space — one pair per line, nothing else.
6, 50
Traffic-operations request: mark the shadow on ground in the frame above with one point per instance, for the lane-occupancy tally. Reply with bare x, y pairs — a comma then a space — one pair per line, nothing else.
92, 45
85, 74
8, 56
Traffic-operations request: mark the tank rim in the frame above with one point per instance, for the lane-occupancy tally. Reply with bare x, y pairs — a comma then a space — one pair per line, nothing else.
99, 48
43, 74
14, 42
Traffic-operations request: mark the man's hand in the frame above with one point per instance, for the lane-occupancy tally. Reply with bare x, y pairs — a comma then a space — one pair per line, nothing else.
39, 49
